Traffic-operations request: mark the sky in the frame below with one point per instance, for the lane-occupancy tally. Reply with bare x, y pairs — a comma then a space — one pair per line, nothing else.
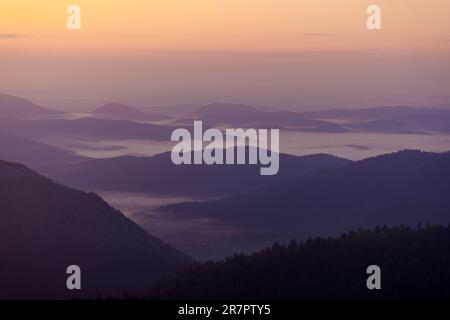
300, 54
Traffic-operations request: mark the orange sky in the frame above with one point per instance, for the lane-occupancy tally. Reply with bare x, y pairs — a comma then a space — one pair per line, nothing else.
135, 33
227, 25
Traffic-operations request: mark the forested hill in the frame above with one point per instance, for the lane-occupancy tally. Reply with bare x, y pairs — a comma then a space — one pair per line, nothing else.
414, 264
46, 227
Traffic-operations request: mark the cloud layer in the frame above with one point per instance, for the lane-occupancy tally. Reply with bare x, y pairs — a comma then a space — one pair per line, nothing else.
14, 36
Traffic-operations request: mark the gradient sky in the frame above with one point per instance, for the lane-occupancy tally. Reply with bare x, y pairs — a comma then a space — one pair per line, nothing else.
305, 53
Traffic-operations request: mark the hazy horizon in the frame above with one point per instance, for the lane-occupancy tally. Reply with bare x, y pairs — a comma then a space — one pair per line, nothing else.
290, 54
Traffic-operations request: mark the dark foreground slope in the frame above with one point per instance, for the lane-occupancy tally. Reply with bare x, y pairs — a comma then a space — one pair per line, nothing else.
45, 227
414, 264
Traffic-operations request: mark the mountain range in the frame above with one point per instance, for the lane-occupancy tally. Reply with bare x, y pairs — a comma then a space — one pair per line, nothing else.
396, 119
154, 174
86, 128
158, 175
117, 111
219, 114
392, 120
406, 187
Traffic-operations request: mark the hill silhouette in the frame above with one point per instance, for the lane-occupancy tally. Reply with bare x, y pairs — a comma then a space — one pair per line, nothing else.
415, 264
396, 119
17, 107
392, 119
217, 114
38, 156
86, 128
117, 111
400, 188
45, 227
158, 175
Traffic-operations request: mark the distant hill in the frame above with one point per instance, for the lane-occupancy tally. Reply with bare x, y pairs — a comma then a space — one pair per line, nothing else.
401, 119
224, 112
16, 107
158, 175
170, 110
396, 119
117, 111
45, 227
400, 188
392, 112
415, 264
217, 114
36, 155
87, 128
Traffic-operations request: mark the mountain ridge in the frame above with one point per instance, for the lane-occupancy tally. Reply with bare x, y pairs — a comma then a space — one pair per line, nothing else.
18, 107
402, 187
118, 111
158, 175
45, 227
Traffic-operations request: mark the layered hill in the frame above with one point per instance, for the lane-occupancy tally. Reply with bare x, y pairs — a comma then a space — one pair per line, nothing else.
158, 175
86, 128
117, 111
400, 188
17, 107
38, 156
219, 114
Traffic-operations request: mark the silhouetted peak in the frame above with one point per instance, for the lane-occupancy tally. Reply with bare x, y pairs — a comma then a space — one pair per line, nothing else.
407, 154
12, 106
226, 108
